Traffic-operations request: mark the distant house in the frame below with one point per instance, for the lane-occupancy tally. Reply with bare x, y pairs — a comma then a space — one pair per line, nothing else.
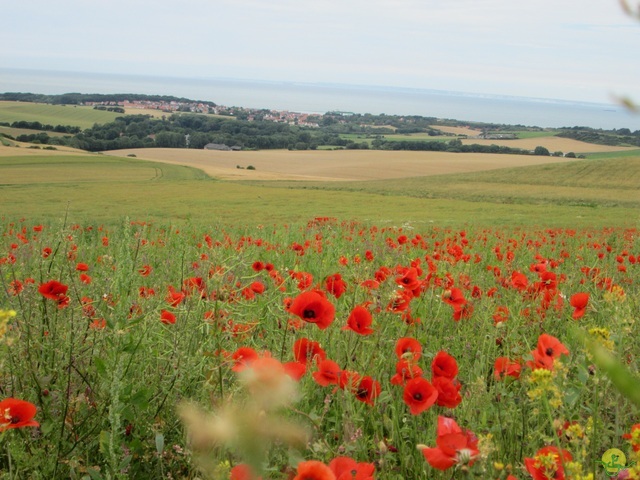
221, 146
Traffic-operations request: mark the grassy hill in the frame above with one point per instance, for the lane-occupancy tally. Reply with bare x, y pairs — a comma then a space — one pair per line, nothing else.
83, 117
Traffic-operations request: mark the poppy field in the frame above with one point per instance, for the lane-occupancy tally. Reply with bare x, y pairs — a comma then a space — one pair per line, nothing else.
323, 350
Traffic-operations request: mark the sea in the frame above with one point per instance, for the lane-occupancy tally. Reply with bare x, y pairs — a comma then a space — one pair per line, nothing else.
325, 97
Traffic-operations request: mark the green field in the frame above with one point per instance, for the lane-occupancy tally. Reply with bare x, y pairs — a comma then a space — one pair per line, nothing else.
106, 189
596, 183
83, 117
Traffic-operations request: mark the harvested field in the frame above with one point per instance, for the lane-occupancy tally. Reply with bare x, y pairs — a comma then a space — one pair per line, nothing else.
472, 132
553, 144
339, 165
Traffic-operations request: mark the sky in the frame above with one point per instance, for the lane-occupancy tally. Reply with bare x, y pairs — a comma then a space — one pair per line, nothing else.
561, 49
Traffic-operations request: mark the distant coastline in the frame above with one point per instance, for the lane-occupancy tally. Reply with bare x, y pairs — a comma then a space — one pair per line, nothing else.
324, 97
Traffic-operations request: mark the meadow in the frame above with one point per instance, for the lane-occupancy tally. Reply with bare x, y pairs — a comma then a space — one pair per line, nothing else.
393, 316
80, 116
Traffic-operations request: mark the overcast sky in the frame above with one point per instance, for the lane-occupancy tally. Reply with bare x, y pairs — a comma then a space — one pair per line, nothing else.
562, 49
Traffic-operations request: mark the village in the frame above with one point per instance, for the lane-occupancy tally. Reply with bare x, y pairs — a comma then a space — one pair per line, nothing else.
250, 114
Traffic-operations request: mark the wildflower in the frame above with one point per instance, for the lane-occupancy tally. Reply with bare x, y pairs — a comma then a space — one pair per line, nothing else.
346, 468
448, 392
359, 321
54, 290
454, 446
314, 470
634, 437
548, 463
405, 370
368, 390
313, 307
549, 348
602, 336
145, 271
328, 373
408, 348
579, 302
242, 357
543, 386
242, 471
503, 367
175, 297
335, 285
167, 317
16, 413
444, 365
419, 395
408, 279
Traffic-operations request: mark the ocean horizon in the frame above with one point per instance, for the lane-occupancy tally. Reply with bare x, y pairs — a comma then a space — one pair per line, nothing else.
324, 97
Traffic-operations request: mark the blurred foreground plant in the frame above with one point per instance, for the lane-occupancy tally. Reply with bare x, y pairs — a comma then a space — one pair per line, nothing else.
250, 426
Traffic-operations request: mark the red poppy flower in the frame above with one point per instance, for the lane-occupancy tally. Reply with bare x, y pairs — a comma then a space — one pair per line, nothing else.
295, 370
257, 287
346, 468
314, 470
242, 357
312, 307
453, 297
501, 314
407, 347
408, 278
549, 348
15, 287
579, 302
368, 390
82, 267
448, 391
84, 278
335, 285
548, 463
242, 471
444, 365
54, 290
519, 281
633, 437
360, 321
419, 395
257, 266
167, 317
503, 367
175, 297
328, 373
454, 446
145, 271
16, 413
405, 370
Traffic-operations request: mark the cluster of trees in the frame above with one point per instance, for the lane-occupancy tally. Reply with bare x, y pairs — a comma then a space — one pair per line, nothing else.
71, 129
140, 131
619, 137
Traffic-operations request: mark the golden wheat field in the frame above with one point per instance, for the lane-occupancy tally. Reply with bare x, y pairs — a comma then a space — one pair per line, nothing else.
335, 165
